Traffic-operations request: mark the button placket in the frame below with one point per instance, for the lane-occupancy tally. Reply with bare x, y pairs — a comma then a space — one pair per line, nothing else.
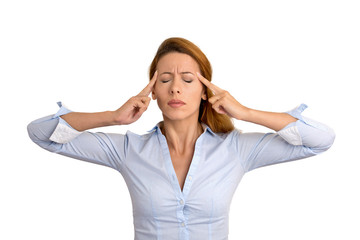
193, 167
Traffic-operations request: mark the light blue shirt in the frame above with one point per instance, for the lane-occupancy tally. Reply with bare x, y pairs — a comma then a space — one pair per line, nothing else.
200, 211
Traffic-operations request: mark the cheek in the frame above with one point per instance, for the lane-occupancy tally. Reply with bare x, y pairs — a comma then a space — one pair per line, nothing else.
160, 94
196, 91
159, 90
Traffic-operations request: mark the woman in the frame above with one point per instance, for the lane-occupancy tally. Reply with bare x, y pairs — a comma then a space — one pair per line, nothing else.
183, 174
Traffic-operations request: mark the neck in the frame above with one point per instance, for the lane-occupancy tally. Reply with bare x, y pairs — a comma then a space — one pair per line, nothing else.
181, 135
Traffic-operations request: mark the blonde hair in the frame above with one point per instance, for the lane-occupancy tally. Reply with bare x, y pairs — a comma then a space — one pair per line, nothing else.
219, 123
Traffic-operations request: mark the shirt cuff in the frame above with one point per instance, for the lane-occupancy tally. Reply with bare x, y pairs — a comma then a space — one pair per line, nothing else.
296, 112
291, 133
63, 132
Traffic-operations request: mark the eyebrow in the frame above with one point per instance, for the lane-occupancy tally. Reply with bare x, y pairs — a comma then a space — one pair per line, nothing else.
180, 73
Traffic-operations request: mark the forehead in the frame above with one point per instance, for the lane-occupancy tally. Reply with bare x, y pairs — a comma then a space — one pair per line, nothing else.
177, 61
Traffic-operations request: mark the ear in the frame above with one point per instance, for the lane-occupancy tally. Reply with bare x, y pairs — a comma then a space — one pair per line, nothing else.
153, 95
203, 96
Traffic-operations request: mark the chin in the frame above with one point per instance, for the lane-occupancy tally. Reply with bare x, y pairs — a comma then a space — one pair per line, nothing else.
179, 115
174, 116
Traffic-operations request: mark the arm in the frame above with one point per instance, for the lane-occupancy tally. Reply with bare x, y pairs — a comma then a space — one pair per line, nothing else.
84, 121
130, 112
272, 120
54, 134
63, 133
297, 137
301, 139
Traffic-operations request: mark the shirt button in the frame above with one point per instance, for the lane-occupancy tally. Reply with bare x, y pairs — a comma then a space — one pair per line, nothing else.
183, 224
190, 178
182, 202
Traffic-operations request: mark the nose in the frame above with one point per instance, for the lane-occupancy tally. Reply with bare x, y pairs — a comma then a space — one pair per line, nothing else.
173, 91
175, 87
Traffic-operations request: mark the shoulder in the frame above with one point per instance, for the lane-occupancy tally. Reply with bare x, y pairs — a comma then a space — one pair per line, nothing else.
241, 139
140, 137
230, 137
140, 140
231, 134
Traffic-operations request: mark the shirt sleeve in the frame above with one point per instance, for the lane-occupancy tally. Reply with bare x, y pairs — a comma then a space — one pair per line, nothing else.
301, 139
55, 135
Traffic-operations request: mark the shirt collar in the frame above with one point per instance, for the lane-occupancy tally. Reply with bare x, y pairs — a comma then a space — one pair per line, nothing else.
204, 126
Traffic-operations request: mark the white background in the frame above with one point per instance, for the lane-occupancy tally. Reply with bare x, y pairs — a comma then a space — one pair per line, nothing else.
94, 55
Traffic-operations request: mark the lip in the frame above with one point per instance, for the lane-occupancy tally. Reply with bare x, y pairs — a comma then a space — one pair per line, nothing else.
175, 103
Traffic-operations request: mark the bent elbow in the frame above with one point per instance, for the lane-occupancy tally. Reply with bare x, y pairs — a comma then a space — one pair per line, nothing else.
330, 139
31, 129
39, 132
325, 143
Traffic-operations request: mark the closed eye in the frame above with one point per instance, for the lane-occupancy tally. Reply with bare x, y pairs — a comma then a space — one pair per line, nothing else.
165, 81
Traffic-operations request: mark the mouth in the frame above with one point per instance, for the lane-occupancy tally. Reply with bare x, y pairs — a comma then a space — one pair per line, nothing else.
175, 103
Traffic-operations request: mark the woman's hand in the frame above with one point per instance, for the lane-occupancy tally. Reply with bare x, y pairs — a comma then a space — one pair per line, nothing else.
126, 114
222, 101
132, 110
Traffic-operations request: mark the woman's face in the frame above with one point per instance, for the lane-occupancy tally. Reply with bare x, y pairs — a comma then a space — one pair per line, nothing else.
178, 90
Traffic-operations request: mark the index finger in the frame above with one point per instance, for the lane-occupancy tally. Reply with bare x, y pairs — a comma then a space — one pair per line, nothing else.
148, 89
215, 89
